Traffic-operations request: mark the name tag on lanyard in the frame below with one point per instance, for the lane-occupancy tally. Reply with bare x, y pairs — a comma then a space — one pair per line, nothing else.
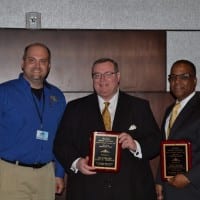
42, 135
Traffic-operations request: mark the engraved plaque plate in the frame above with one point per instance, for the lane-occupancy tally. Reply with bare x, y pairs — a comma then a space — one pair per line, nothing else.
175, 157
105, 151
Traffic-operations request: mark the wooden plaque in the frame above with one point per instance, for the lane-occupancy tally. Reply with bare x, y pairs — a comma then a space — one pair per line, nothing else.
176, 158
105, 151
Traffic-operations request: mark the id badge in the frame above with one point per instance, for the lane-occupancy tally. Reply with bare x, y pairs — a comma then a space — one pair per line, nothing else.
42, 135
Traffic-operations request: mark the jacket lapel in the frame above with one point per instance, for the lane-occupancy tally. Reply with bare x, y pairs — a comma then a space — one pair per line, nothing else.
183, 115
121, 110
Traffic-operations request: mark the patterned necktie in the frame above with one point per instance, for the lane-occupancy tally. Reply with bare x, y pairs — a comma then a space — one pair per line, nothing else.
173, 116
106, 117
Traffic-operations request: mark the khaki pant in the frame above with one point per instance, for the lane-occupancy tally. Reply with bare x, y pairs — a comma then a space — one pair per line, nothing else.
25, 183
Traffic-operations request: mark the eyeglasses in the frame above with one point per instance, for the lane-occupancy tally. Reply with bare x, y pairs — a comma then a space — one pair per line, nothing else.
183, 77
104, 75
31, 60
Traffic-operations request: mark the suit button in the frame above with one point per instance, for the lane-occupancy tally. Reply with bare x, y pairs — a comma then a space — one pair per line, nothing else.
107, 184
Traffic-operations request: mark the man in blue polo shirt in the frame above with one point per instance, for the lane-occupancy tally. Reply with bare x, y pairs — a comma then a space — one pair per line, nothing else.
30, 111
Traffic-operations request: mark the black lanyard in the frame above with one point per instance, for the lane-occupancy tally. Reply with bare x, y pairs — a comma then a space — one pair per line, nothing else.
40, 114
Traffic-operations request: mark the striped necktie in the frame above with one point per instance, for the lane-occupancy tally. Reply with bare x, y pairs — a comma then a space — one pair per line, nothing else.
106, 117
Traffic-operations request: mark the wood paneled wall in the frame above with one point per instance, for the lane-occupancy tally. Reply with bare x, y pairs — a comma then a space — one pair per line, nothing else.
141, 56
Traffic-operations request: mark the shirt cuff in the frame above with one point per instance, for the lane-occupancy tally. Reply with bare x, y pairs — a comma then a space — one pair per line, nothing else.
59, 170
138, 152
73, 167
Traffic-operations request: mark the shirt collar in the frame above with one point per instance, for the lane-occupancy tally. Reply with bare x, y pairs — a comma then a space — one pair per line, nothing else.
185, 101
112, 101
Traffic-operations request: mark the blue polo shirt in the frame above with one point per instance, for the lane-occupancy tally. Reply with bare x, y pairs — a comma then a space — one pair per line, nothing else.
22, 116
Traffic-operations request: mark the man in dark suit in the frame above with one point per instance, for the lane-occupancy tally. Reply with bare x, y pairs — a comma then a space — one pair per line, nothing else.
182, 79
139, 136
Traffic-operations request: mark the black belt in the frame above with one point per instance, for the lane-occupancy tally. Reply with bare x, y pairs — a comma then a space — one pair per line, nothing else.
35, 166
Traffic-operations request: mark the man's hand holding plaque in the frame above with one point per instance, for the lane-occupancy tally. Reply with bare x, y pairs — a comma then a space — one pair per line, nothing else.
175, 157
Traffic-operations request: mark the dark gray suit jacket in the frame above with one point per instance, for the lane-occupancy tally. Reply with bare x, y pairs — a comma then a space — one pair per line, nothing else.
135, 180
187, 126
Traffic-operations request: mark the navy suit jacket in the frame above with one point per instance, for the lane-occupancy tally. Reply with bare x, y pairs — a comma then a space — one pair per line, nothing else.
187, 126
134, 180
